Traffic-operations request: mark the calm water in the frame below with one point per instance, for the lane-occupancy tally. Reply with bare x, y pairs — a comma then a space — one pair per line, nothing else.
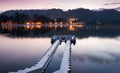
97, 49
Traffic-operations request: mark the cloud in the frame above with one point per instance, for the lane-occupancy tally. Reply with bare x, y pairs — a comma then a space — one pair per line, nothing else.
117, 3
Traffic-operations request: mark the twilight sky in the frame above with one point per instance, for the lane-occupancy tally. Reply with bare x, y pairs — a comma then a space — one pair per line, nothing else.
62, 4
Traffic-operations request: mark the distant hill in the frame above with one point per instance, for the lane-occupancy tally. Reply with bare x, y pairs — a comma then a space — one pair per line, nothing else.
52, 13
118, 8
101, 9
86, 15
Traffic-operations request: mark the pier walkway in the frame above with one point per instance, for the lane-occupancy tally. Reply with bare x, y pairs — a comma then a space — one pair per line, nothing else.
66, 61
44, 61
42, 64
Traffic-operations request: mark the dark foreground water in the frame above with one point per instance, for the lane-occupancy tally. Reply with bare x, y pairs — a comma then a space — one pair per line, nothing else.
97, 49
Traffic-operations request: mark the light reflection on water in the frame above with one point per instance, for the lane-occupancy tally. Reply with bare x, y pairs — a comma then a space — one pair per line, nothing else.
96, 50
96, 55
17, 53
89, 55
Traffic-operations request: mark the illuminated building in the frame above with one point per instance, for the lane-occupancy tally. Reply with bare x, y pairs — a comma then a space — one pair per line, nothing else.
38, 23
71, 20
31, 22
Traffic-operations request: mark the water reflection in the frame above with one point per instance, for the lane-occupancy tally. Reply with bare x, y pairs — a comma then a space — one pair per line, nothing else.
45, 30
19, 53
34, 26
9, 27
55, 63
96, 55
96, 51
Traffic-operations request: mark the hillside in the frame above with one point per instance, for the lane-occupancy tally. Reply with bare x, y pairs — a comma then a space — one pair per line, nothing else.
86, 15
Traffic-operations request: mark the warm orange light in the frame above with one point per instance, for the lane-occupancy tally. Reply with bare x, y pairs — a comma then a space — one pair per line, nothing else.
32, 23
61, 26
32, 27
71, 28
50, 23
38, 23
50, 26
71, 20
28, 23
61, 23
27, 26
38, 26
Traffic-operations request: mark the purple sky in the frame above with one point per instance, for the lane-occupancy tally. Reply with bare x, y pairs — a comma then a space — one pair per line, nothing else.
62, 4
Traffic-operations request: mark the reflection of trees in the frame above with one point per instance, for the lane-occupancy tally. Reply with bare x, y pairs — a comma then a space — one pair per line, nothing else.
47, 31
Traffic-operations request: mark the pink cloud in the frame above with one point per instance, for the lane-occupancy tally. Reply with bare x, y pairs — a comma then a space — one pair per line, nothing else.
117, 3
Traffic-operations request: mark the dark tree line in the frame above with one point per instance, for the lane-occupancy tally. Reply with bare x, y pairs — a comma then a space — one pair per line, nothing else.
42, 18
21, 18
45, 16
3, 18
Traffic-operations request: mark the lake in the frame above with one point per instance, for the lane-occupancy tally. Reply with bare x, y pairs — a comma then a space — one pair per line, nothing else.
97, 49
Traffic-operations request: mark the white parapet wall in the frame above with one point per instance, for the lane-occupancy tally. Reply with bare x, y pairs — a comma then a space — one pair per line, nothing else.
43, 61
65, 64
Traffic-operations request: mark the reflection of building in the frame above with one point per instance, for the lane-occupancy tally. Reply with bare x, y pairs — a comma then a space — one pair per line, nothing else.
71, 28
9, 27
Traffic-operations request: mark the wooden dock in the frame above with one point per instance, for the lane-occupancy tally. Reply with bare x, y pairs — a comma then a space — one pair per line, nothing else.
46, 58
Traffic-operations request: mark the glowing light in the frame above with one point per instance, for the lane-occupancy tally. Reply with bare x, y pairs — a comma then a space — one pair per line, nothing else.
27, 22
50, 23
71, 28
38, 26
38, 23
27, 26
61, 26
71, 20
61, 23
50, 26
80, 26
